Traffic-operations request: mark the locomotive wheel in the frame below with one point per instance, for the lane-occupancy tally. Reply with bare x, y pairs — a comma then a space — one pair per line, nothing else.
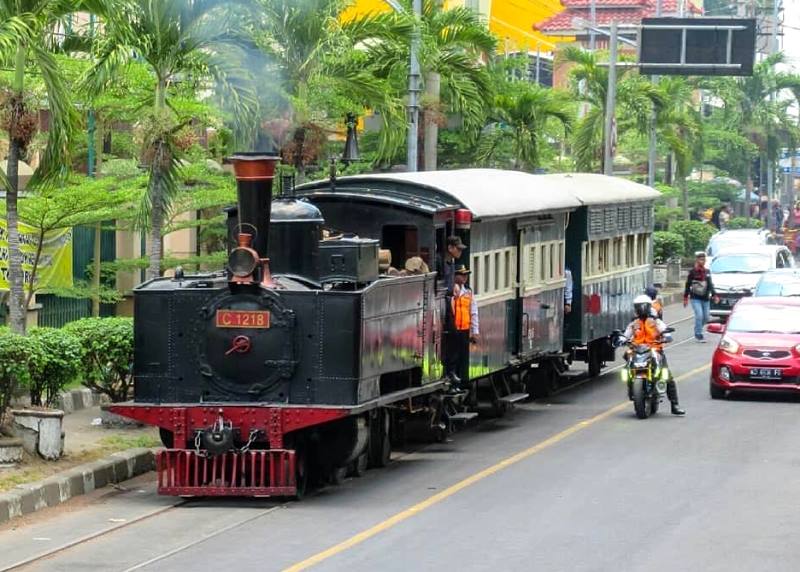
337, 475
380, 443
360, 465
300, 476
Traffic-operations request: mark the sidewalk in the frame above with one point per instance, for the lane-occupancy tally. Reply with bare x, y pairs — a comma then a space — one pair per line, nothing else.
94, 456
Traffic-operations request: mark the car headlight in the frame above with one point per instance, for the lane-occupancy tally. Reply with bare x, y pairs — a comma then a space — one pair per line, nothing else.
729, 345
725, 373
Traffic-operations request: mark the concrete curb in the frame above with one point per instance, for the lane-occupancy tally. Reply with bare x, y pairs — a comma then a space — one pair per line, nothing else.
80, 480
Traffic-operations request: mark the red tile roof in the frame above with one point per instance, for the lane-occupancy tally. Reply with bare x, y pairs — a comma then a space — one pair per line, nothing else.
603, 4
607, 11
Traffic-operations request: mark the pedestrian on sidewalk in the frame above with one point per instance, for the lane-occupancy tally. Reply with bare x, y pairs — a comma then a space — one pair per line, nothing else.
700, 290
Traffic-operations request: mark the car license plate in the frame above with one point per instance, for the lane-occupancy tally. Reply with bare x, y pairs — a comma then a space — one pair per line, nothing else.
242, 319
765, 373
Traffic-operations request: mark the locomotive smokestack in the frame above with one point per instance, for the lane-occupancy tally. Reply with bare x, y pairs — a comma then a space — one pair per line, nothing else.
254, 173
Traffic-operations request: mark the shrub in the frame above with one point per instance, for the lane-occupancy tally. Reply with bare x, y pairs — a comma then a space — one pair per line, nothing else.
54, 362
667, 245
743, 222
107, 354
14, 366
695, 235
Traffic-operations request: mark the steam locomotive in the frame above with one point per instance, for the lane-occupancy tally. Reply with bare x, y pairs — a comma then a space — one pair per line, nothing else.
306, 359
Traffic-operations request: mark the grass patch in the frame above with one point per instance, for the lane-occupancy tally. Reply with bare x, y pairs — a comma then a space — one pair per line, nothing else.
34, 469
122, 442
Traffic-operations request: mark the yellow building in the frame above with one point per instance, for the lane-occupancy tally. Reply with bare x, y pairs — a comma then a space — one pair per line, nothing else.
511, 20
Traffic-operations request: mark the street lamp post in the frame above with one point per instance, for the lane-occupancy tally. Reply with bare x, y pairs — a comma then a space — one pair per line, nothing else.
413, 83
611, 101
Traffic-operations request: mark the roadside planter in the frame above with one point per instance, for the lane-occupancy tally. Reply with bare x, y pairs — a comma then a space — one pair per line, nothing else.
40, 431
10, 450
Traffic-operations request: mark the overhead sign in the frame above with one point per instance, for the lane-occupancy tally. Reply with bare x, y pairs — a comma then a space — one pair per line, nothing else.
697, 46
54, 267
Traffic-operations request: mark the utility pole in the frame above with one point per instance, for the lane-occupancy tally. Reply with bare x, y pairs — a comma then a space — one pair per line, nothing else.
593, 18
652, 149
611, 100
773, 49
413, 90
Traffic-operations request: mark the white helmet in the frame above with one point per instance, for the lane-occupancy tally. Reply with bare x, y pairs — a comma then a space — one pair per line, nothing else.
641, 305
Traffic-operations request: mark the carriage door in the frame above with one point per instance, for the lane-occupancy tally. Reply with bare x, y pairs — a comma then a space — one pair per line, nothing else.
527, 239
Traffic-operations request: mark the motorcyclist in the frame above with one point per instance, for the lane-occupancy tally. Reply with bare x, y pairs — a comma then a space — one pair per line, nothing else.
656, 307
649, 331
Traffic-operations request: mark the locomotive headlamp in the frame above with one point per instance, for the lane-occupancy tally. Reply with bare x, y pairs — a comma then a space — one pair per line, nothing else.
243, 260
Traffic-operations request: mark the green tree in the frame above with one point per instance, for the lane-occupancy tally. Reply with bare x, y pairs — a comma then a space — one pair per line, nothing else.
313, 70
454, 42
180, 41
636, 96
524, 117
678, 128
754, 107
26, 28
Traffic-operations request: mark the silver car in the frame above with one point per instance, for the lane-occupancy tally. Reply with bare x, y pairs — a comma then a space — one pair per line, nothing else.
736, 271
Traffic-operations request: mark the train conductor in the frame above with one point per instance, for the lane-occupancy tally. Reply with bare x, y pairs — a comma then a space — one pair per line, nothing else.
466, 328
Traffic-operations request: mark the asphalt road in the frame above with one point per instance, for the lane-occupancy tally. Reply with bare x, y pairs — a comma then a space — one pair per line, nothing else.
572, 483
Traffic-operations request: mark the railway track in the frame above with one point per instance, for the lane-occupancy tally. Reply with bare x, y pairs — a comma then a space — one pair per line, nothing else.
43, 556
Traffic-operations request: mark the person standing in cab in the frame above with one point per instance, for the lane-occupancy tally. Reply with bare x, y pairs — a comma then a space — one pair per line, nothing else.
466, 329
454, 249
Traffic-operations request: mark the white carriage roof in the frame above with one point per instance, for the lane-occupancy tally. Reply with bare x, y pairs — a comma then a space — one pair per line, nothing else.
492, 193
594, 189
486, 192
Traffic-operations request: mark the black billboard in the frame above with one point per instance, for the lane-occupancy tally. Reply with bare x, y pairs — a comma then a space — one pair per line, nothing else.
697, 46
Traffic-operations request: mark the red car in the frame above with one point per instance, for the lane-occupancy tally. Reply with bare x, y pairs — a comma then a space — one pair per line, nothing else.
760, 347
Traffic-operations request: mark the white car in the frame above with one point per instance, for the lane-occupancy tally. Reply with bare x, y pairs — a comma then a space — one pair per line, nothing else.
736, 270
738, 238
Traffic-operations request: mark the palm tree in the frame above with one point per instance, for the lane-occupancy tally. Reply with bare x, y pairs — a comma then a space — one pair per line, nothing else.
314, 70
26, 32
635, 99
453, 44
753, 107
678, 126
524, 117
179, 41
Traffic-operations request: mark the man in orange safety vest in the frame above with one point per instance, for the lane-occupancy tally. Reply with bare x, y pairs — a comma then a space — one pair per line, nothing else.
466, 329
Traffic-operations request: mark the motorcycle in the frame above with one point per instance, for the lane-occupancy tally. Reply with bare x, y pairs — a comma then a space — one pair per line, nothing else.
645, 374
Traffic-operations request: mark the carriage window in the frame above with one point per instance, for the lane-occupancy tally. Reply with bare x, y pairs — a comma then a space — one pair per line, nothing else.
497, 282
402, 241
508, 269
630, 249
560, 259
542, 262
552, 262
531, 270
476, 275
486, 270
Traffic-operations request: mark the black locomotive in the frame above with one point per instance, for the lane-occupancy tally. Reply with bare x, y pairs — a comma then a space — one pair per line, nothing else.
306, 357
